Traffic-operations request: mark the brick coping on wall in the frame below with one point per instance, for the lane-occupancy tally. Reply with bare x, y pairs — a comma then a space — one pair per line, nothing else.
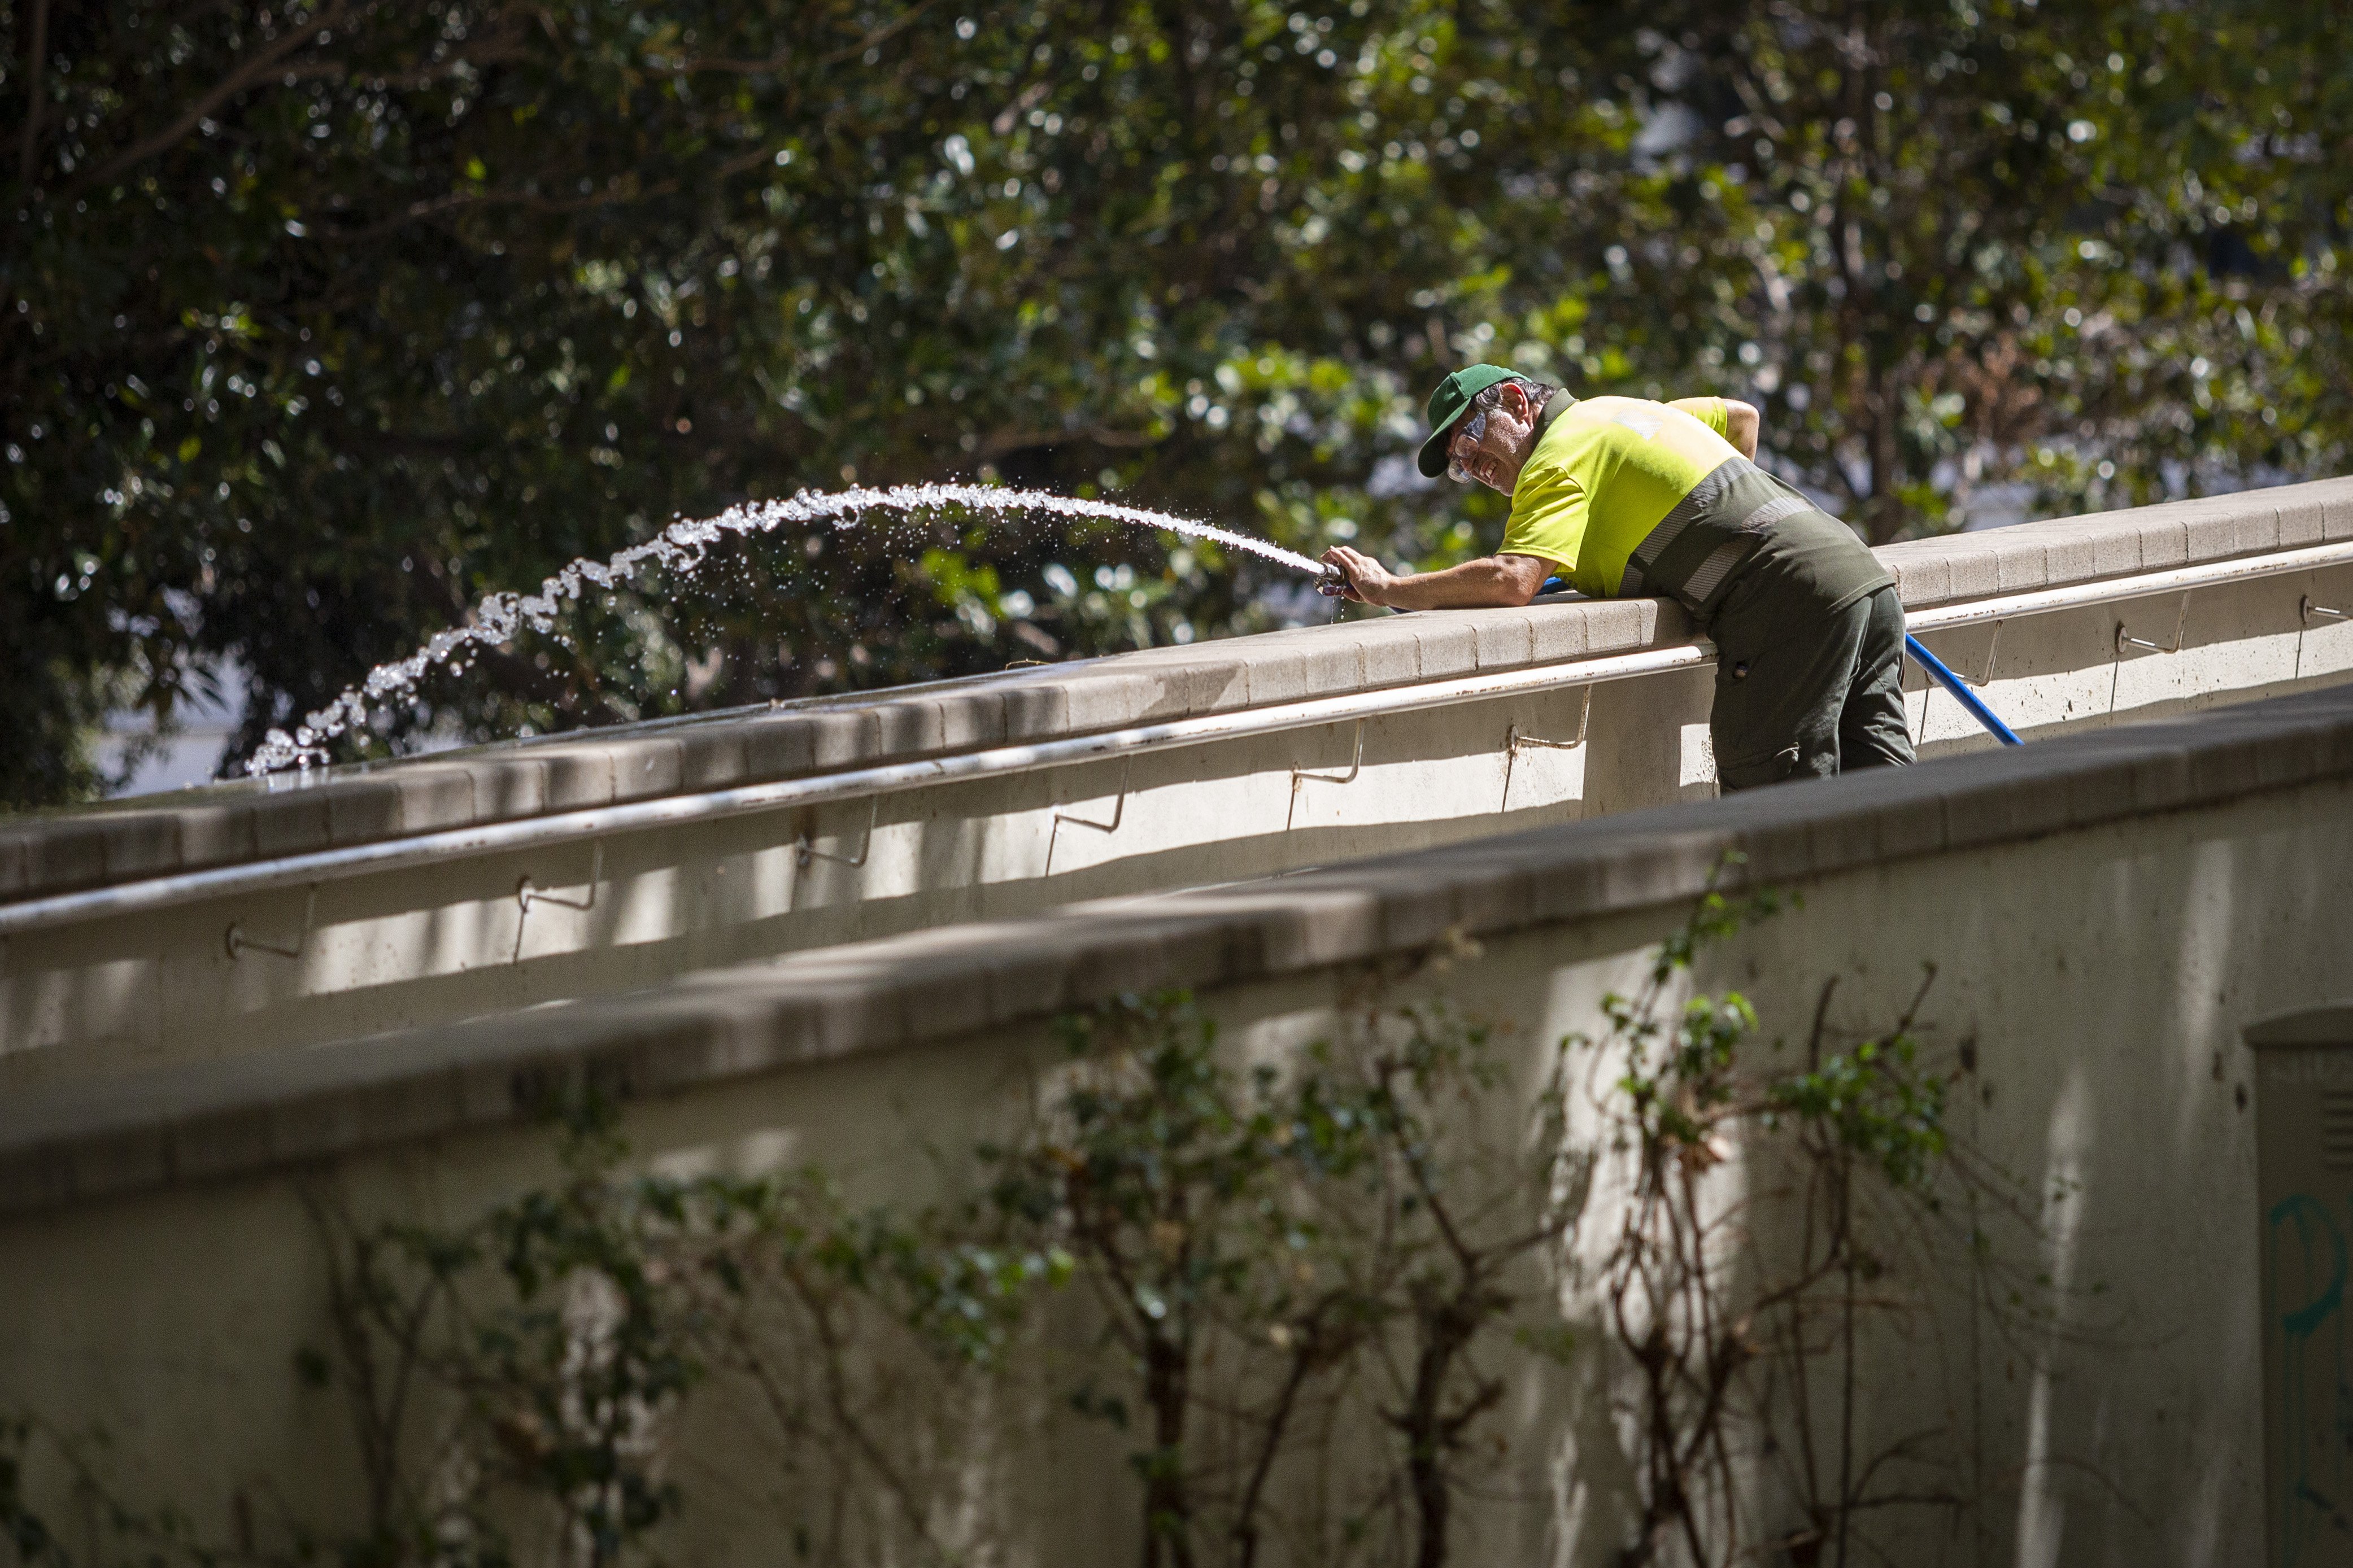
57, 852
250, 1114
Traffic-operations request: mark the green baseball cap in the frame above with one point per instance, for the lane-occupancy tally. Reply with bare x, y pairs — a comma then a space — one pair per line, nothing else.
1447, 406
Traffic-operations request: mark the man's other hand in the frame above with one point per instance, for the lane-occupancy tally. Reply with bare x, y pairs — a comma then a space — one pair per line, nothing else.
1743, 425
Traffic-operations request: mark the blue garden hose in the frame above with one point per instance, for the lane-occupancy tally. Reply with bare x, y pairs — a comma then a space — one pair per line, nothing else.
1961, 693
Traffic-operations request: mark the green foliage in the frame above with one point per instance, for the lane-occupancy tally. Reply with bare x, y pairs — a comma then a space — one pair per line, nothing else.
1683, 1078
1265, 1244
1877, 1104
550, 1328
1184, 1193
1961, 244
1677, 1077
1720, 1340
541, 1351
323, 321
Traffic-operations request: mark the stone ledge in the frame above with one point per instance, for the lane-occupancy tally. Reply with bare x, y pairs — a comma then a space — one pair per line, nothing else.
250, 1114
2049, 554
225, 825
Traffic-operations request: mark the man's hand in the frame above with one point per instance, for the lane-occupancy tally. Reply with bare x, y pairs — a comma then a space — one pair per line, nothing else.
1362, 578
1742, 424
1474, 585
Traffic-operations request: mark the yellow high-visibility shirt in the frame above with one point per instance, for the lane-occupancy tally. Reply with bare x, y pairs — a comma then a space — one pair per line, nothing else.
1605, 471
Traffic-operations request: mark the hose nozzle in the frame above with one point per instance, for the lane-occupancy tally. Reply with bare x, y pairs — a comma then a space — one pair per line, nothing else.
1332, 582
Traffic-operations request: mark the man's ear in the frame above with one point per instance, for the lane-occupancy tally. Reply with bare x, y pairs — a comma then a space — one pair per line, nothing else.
1523, 408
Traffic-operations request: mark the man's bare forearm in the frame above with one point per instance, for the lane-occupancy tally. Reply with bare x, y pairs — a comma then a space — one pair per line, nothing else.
1474, 585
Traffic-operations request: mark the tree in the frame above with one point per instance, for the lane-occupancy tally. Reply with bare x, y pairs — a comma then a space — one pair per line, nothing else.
1957, 244
322, 319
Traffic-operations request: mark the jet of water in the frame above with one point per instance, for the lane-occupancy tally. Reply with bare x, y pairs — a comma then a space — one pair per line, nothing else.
680, 547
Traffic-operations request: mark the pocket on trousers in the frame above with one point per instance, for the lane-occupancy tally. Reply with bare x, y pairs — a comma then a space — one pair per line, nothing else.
1749, 773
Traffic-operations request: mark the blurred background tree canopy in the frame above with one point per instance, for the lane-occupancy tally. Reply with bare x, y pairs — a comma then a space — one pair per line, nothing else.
323, 318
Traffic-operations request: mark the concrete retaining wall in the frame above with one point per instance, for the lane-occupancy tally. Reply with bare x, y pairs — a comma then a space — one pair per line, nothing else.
2108, 910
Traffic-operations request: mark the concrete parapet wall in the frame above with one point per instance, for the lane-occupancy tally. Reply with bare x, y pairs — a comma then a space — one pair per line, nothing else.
225, 824
2060, 551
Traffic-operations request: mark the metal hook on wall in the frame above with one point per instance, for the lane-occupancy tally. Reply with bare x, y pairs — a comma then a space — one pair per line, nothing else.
1514, 742
2124, 638
1993, 651
239, 944
805, 847
1300, 776
1928, 681
2307, 611
1356, 765
527, 893
1118, 814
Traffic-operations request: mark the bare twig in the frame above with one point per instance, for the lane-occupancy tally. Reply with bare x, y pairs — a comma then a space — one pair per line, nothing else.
775, 64
269, 61
36, 64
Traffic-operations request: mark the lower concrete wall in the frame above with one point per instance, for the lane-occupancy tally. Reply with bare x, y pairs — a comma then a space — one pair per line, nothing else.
2096, 965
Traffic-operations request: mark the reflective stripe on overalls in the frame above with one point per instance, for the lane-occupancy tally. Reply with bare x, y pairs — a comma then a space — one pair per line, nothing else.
1698, 548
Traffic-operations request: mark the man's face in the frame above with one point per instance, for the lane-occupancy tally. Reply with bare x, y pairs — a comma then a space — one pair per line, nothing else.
1491, 446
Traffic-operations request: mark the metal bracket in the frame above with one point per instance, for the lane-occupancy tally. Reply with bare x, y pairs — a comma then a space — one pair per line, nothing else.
527, 893
1355, 766
1118, 814
2124, 638
1514, 742
805, 847
1300, 776
1993, 651
239, 944
2306, 612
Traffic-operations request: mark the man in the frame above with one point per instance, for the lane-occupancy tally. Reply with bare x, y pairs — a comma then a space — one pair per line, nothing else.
1622, 496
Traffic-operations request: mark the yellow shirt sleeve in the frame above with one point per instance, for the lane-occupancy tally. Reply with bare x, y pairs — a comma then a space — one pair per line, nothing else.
1709, 411
1549, 511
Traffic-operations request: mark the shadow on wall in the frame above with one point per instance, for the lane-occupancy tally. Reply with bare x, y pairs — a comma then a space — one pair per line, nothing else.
2096, 1398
